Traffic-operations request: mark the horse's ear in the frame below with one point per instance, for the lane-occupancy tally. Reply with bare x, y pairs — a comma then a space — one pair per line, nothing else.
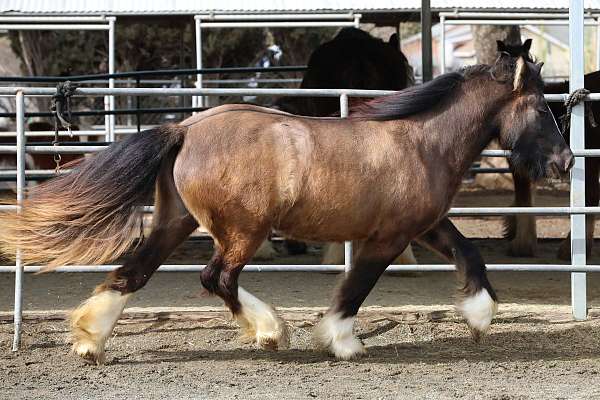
394, 42
520, 74
537, 68
527, 46
501, 46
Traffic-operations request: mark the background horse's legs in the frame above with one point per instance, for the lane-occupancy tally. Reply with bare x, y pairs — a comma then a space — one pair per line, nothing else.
257, 319
479, 302
334, 331
333, 253
592, 196
93, 321
521, 229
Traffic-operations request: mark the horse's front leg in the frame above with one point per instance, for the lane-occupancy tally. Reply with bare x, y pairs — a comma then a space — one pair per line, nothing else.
478, 303
334, 331
521, 229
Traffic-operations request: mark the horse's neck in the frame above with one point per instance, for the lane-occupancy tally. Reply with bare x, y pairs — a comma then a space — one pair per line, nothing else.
465, 126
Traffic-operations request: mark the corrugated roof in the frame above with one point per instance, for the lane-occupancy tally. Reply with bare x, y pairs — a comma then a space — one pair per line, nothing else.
159, 7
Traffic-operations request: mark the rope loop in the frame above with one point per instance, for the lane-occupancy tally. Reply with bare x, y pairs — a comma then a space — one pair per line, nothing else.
59, 105
576, 97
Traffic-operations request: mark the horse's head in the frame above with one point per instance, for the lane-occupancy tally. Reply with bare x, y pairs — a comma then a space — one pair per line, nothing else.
526, 125
518, 50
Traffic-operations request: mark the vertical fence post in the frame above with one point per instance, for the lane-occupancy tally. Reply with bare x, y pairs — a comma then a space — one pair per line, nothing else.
426, 56
347, 245
597, 43
109, 101
198, 101
442, 44
578, 245
138, 115
18, 311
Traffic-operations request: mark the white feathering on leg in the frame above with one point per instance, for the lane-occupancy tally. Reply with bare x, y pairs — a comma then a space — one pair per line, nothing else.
479, 310
93, 322
335, 333
259, 319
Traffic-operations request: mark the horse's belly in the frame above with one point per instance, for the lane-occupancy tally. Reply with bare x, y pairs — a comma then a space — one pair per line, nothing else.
327, 225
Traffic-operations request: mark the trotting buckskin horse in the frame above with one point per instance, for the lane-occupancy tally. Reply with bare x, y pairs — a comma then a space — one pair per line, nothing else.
383, 177
521, 229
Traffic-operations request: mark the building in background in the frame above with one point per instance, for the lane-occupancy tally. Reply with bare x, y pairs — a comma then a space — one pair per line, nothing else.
550, 45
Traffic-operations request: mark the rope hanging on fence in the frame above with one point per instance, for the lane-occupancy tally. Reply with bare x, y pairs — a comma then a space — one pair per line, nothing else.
61, 103
576, 97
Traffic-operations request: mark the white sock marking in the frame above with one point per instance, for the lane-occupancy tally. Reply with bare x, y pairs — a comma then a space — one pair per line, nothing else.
259, 319
93, 322
479, 310
335, 333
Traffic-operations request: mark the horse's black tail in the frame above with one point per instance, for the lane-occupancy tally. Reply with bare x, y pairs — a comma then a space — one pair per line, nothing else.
90, 215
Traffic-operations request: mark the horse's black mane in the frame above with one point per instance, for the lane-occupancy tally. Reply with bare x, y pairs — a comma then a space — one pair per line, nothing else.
423, 97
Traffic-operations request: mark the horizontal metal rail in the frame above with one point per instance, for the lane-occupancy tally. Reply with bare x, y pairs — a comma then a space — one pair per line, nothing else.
156, 72
515, 22
274, 17
276, 24
477, 211
323, 268
47, 91
90, 147
20, 18
55, 27
49, 173
62, 133
508, 15
122, 111
41, 173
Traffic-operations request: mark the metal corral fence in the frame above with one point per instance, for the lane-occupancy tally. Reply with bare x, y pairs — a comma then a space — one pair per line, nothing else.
577, 210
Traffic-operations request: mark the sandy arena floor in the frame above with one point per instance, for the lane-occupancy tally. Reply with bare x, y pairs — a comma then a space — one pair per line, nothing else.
183, 345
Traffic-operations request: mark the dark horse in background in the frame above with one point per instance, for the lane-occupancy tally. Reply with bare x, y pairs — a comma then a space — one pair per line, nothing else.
353, 59
242, 171
521, 229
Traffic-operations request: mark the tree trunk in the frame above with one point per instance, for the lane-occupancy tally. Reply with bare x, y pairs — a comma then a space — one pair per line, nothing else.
484, 43
32, 56
484, 40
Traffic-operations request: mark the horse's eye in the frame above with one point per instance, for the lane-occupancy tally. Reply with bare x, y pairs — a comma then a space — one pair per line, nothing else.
543, 110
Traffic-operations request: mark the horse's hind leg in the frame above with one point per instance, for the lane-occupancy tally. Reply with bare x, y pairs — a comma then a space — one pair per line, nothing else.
478, 303
257, 319
334, 331
521, 229
93, 321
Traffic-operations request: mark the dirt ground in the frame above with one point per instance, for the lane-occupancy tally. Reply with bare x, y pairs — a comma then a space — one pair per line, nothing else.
173, 342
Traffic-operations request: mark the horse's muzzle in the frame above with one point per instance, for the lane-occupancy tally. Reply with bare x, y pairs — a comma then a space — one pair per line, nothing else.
561, 163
